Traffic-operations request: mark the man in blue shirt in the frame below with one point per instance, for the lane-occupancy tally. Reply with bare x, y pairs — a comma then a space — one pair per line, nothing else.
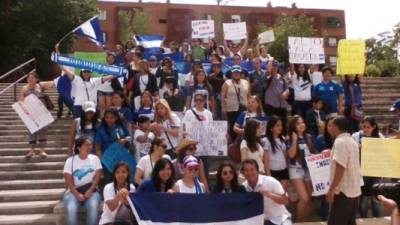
330, 92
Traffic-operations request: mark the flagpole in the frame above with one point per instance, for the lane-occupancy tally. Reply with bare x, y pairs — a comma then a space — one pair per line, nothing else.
65, 36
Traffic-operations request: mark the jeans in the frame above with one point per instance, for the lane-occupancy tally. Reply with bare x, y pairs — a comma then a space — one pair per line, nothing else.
61, 101
301, 107
72, 205
77, 111
364, 207
286, 222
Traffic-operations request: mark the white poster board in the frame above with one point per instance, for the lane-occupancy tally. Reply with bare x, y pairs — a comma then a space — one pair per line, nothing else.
33, 113
306, 50
235, 31
203, 29
266, 37
319, 167
210, 135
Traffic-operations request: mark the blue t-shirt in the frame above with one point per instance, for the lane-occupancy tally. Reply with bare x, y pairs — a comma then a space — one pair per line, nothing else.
106, 136
148, 112
329, 93
304, 152
126, 114
147, 186
320, 143
347, 94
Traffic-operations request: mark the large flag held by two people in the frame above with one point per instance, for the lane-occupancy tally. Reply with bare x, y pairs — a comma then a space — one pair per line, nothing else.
185, 209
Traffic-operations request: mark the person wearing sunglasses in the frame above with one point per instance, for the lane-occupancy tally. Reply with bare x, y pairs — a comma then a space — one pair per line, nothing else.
190, 182
227, 179
146, 164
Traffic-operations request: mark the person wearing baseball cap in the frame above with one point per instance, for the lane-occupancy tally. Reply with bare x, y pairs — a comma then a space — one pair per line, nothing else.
237, 61
190, 182
394, 129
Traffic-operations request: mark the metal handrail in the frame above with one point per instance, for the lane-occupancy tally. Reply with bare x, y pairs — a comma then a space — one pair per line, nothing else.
16, 68
15, 83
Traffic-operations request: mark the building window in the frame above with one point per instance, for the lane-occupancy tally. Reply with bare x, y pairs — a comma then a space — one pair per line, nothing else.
102, 15
105, 36
332, 60
235, 18
333, 22
332, 42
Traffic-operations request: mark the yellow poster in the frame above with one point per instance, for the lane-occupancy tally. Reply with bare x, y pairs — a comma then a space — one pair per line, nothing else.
380, 157
351, 57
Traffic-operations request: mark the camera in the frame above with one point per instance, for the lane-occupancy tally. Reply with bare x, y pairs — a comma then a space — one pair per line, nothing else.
389, 190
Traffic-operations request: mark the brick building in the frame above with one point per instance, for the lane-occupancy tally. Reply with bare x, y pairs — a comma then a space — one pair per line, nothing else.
174, 20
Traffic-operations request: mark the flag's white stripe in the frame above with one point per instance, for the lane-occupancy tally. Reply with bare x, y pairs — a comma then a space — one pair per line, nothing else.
150, 44
88, 30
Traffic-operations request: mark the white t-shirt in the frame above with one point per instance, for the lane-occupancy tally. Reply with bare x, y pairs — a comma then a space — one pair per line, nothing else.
146, 165
82, 170
142, 149
258, 155
106, 87
302, 88
316, 78
204, 115
277, 160
168, 124
274, 212
80, 87
121, 213
358, 136
188, 190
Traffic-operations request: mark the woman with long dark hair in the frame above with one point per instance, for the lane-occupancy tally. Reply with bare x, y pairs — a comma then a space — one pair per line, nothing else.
302, 85
146, 107
162, 177
116, 209
370, 129
352, 101
300, 146
145, 81
201, 86
174, 95
250, 147
119, 101
227, 179
275, 146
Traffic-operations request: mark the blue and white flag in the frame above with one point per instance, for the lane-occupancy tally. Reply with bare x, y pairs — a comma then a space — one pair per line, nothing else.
151, 43
92, 30
192, 209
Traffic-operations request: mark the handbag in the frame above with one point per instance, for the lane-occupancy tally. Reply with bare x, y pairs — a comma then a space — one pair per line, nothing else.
83, 189
47, 102
242, 107
234, 151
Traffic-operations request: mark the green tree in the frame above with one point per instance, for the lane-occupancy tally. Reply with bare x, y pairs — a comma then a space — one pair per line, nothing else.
135, 21
31, 28
286, 26
372, 71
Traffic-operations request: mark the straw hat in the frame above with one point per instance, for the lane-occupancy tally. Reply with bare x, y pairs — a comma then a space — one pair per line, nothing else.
184, 144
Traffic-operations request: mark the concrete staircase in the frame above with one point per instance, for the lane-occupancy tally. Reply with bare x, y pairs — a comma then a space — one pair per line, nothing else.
29, 189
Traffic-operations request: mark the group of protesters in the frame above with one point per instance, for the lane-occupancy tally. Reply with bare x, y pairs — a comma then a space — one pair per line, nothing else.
276, 117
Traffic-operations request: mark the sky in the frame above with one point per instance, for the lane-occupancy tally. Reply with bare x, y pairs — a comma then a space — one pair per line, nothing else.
364, 18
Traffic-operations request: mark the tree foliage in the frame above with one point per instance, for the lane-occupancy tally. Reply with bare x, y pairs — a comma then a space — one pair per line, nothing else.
372, 71
135, 21
31, 28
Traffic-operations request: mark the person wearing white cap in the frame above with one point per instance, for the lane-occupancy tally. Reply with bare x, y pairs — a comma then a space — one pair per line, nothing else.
190, 183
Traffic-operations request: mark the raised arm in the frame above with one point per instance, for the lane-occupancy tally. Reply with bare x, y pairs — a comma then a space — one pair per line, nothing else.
244, 47
227, 50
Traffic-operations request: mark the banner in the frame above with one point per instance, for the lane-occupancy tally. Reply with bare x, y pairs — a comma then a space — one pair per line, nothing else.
98, 57
211, 137
351, 57
380, 157
306, 50
33, 113
266, 37
235, 31
319, 167
117, 153
191, 209
84, 64
203, 29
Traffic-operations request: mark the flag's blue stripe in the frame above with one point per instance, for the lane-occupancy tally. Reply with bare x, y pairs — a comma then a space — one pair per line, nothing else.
95, 23
190, 208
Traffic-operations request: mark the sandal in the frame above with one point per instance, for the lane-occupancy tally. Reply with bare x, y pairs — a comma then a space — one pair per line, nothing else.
43, 154
30, 154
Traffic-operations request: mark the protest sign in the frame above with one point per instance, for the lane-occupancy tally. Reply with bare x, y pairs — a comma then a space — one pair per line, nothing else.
117, 153
33, 113
211, 137
98, 57
203, 29
318, 166
380, 157
306, 50
89, 65
235, 31
351, 57
266, 37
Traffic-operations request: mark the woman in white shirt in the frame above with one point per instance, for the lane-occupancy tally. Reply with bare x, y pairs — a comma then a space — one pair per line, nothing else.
106, 89
250, 147
302, 86
116, 207
190, 183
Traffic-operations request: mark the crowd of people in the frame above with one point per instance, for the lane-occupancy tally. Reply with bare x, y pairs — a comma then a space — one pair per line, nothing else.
276, 117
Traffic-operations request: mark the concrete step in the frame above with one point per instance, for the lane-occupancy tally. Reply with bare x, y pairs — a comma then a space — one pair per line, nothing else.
21, 158
31, 207
29, 166
21, 126
24, 144
17, 121
31, 195
50, 136
28, 219
16, 151
31, 175
31, 184
53, 131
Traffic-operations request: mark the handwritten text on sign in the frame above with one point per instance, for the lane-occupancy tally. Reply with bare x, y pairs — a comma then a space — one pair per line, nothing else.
33, 113
235, 31
351, 57
318, 166
211, 137
306, 50
203, 29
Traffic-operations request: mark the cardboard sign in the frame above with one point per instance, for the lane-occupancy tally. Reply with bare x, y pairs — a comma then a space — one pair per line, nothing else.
306, 50
203, 29
380, 157
33, 113
235, 31
266, 37
351, 57
319, 167
211, 137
